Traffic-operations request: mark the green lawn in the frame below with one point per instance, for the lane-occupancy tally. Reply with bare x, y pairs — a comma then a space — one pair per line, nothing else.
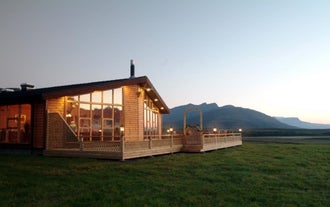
255, 174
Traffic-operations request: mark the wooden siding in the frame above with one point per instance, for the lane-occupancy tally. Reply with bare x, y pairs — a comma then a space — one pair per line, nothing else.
38, 125
58, 132
56, 105
133, 113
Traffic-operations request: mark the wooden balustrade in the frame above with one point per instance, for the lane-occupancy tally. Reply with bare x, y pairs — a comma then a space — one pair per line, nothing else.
121, 149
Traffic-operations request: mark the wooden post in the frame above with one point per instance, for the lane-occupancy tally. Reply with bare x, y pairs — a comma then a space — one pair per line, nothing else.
150, 142
202, 140
81, 143
185, 118
216, 140
122, 147
172, 142
122, 143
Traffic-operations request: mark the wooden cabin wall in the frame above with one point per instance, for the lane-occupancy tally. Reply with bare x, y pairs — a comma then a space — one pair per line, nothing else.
56, 105
55, 129
160, 125
133, 113
39, 125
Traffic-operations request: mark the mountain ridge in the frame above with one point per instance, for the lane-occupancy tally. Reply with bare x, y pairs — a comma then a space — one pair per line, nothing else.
224, 117
295, 121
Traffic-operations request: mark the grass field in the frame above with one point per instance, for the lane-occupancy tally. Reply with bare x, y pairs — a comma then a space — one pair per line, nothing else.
255, 174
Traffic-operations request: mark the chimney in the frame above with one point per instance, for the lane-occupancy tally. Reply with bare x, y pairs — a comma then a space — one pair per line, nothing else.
26, 86
132, 69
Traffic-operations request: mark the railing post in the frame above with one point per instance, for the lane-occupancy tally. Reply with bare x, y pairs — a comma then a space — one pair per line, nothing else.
150, 142
122, 147
216, 140
81, 142
202, 140
171, 142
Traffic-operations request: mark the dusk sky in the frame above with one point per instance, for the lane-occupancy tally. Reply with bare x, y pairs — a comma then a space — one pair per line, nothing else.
272, 56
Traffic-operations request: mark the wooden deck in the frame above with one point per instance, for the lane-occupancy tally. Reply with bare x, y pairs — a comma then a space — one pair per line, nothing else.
119, 150
207, 142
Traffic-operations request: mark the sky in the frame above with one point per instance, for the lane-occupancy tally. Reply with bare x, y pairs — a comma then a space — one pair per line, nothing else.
272, 56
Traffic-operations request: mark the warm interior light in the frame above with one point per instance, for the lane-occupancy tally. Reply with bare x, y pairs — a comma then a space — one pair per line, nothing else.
139, 91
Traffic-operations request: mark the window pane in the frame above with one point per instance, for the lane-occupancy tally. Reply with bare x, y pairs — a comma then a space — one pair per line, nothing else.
96, 119
15, 124
84, 133
85, 123
118, 96
118, 112
107, 97
107, 134
107, 112
13, 110
84, 110
107, 123
97, 115
97, 111
25, 127
150, 118
85, 98
3, 116
72, 113
118, 115
3, 123
97, 97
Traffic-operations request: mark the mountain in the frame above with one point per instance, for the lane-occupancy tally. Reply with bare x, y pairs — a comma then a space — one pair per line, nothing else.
225, 117
294, 121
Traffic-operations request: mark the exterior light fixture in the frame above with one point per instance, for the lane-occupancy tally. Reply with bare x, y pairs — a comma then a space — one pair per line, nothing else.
215, 130
148, 89
122, 129
162, 108
240, 130
156, 99
139, 91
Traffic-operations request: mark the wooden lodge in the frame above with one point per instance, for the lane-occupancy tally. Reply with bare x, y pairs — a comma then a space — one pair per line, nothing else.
117, 119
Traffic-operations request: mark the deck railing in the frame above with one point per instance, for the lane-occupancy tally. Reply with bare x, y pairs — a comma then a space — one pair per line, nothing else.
64, 142
223, 140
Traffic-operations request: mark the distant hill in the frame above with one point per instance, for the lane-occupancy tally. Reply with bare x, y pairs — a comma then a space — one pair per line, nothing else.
294, 121
225, 117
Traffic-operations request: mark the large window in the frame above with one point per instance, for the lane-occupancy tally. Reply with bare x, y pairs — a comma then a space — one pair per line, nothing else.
15, 124
151, 113
96, 116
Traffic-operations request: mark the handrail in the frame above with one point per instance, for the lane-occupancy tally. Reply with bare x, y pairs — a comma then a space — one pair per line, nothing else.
66, 123
223, 134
